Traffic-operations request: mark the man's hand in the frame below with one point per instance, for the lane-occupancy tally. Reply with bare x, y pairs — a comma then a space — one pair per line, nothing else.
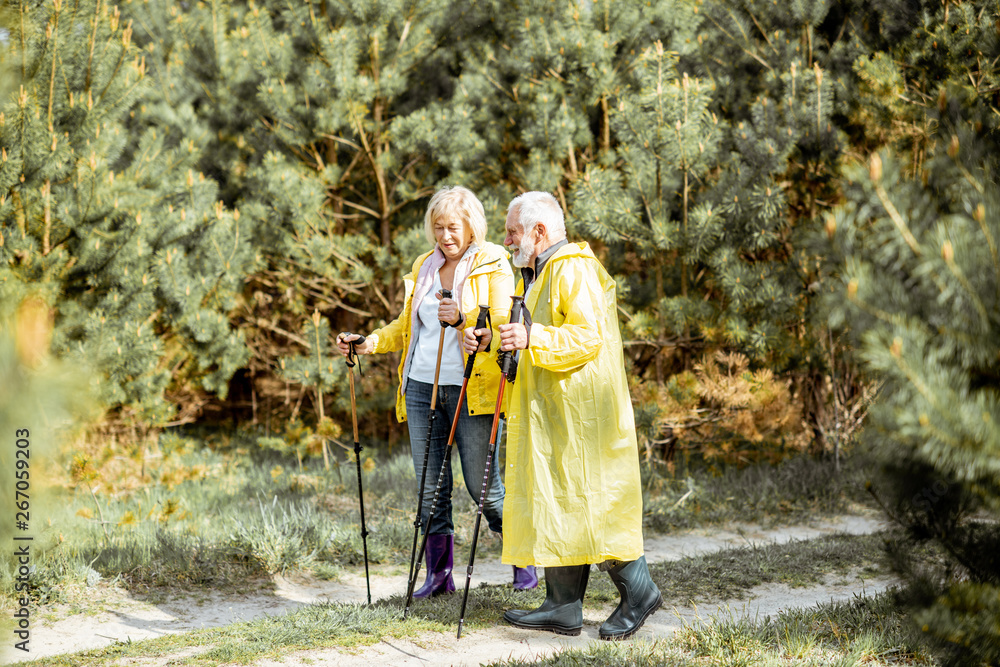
343, 343
448, 310
513, 337
469, 340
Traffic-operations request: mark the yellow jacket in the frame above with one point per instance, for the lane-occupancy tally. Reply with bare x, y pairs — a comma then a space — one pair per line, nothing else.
490, 282
572, 477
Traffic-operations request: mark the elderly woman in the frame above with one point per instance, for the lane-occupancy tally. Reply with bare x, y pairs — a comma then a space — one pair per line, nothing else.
476, 272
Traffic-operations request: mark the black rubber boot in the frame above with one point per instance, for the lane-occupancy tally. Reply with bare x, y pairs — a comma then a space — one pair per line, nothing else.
515, 614
640, 598
562, 611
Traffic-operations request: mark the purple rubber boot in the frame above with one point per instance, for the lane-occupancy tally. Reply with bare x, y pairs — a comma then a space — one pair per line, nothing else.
525, 578
439, 555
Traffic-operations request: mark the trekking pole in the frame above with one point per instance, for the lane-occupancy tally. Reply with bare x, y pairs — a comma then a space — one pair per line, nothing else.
508, 369
427, 451
357, 456
484, 316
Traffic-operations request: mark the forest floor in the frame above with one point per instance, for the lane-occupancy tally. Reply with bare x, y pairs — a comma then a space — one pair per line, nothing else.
111, 615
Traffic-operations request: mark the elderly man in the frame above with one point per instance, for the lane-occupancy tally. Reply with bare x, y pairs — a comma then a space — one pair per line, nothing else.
572, 478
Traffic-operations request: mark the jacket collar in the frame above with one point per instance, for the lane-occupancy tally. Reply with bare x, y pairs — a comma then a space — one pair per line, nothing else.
564, 251
529, 274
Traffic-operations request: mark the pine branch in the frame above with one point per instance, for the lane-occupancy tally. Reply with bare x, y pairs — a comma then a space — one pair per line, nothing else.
371, 212
897, 219
417, 196
90, 51
126, 39
763, 32
511, 94
24, 46
264, 324
746, 38
57, 5
352, 188
383, 195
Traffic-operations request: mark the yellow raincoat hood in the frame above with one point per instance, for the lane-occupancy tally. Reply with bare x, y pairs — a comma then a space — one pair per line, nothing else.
572, 471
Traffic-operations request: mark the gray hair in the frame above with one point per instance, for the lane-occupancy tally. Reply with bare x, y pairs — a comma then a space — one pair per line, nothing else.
458, 202
535, 207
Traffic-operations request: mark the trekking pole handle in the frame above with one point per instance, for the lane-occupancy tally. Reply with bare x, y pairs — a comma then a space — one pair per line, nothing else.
508, 364
484, 316
350, 355
445, 294
516, 309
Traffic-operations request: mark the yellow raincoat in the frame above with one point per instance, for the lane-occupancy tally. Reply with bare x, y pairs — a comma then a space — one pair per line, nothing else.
490, 282
572, 471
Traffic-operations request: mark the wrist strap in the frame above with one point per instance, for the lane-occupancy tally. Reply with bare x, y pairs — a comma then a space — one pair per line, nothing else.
526, 321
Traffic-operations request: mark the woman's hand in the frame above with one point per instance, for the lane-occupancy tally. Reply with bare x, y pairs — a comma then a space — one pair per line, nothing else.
469, 343
343, 343
448, 311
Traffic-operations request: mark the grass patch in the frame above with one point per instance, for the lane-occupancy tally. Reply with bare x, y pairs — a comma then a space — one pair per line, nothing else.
310, 627
725, 575
619, 654
231, 523
868, 631
228, 518
731, 574
313, 627
793, 491
734, 572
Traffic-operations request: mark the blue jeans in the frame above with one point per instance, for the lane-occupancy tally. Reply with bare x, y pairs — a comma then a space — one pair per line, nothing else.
472, 438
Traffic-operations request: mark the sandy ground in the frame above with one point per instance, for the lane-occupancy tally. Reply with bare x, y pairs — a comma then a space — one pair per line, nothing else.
119, 617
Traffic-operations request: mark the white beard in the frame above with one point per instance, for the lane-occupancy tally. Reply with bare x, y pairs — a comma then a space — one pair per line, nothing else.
522, 255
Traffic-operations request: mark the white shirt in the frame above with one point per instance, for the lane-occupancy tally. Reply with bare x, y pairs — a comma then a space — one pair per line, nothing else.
426, 346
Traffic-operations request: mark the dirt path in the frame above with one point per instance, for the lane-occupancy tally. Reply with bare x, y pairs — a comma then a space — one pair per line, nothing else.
506, 642
119, 617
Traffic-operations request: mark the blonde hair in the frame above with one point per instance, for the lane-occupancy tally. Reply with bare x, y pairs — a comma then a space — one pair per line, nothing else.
459, 202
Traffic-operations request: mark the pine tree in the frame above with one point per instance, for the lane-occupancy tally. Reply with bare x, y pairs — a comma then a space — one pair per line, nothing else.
343, 186
668, 141
109, 222
328, 125
725, 143
915, 279
536, 84
320, 369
